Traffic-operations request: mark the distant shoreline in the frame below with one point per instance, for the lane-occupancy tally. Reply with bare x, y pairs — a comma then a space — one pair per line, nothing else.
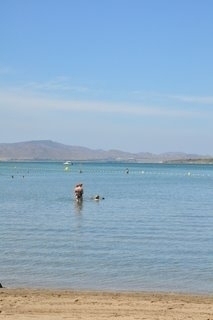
208, 161
190, 161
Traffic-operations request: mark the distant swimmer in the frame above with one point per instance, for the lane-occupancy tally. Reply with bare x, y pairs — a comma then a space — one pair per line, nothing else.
97, 197
79, 192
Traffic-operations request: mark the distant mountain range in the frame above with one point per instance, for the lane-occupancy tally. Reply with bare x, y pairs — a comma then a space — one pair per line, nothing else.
46, 150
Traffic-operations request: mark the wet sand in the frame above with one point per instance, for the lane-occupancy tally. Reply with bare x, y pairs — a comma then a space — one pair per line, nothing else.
25, 304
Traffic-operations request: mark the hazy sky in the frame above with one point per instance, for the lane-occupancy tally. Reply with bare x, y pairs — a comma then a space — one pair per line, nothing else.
134, 75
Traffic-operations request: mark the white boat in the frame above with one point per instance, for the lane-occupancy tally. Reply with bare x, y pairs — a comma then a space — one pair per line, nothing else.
67, 163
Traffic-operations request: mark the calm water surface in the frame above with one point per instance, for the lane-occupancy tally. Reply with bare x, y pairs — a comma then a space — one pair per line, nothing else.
153, 230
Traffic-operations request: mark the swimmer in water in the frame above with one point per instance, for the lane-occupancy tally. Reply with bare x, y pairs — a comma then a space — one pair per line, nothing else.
97, 197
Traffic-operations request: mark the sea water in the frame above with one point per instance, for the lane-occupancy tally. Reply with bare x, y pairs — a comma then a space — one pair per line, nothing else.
153, 231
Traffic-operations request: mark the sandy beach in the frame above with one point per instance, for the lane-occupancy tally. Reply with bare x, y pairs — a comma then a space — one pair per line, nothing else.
27, 304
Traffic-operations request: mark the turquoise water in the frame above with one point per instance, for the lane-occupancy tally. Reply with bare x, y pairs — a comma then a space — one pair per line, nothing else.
153, 230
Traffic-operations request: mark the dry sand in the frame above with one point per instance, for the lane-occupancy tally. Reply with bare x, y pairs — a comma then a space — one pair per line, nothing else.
24, 304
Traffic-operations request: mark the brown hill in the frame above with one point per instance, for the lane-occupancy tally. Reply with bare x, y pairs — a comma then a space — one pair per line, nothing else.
46, 150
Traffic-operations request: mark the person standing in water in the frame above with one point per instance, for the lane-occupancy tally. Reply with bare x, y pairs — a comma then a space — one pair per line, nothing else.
79, 191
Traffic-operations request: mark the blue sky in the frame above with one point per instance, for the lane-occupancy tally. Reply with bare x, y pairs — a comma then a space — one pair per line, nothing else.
133, 75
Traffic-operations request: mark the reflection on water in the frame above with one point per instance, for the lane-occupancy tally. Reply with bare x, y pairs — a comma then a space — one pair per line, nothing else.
78, 206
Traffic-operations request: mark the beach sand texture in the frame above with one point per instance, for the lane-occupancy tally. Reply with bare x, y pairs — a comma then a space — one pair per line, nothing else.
24, 304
